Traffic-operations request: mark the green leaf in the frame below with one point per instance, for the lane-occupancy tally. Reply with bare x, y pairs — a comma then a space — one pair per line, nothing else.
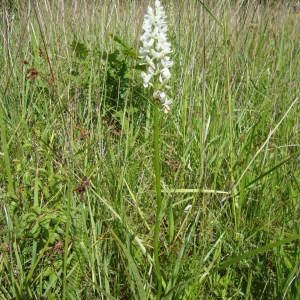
130, 51
132, 267
141, 67
80, 49
118, 40
171, 224
236, 259
293, 156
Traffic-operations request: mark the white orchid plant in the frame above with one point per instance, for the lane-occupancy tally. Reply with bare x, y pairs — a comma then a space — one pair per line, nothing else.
155, 51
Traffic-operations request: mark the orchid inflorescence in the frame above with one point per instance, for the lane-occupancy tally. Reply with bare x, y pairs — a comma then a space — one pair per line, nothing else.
155, 50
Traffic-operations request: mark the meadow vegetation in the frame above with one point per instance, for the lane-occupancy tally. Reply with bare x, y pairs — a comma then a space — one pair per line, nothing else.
77, 184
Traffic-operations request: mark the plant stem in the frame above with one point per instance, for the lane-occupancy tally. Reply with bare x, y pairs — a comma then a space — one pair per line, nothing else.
158, 199
10, 186
230, 116
66, 246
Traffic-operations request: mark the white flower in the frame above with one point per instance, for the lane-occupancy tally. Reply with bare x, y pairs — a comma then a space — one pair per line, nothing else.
150, 62
163, 99
188, 208
165, 75
155, 50
166, 63
148, 43
146, 78
166, 105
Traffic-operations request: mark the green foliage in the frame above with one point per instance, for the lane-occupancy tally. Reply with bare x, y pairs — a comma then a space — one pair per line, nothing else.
117, 67
80, 49
77, 193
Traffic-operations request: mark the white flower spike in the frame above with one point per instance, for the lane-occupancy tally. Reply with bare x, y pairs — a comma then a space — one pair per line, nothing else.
155, 50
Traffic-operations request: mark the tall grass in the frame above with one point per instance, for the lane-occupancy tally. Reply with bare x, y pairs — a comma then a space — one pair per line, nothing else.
77, 189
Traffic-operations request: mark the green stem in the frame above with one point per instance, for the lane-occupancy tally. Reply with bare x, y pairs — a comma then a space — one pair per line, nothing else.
35, 204
10, 186
158, 200
230, 116
66, 246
